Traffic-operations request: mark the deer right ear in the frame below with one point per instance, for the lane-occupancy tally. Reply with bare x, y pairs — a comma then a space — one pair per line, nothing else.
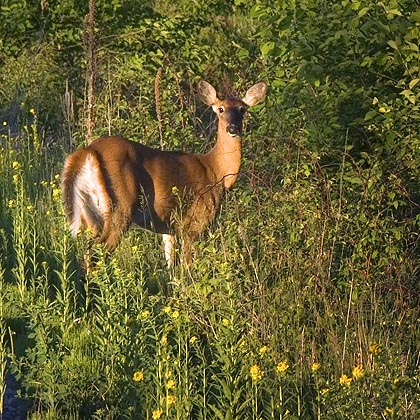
255, 94
207, 93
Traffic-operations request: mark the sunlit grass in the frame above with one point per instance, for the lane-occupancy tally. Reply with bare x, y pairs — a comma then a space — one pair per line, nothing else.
259, 326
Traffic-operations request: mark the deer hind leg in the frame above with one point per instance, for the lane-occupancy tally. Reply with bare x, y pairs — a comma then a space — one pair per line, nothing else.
119, 216
115, 226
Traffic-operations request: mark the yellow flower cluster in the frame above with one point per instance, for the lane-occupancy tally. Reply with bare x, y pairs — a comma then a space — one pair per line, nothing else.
263, 350
345, 380
193, 339
144, 314
375, 348
256, 373
138, 376
358, 372
315, 367
170, 399
388, 411
175, 314
171, 384
156, 414
282, 367
170, 312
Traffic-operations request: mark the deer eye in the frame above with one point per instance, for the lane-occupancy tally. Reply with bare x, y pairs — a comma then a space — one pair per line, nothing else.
242, 109
221, 109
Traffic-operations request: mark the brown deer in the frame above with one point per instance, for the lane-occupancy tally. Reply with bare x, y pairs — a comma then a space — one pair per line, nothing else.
113, 182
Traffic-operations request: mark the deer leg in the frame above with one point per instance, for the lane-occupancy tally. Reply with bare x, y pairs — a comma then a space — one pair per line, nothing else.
191, 230
169, 248
115, 226
199, 215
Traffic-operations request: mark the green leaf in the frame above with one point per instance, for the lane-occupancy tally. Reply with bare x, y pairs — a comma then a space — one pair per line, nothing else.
394, 12
413, 83
267, 48
363, 11
242, 53
415, 16
370, 114
393, 44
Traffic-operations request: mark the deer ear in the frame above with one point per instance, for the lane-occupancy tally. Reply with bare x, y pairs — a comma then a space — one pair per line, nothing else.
207, 93
255, 94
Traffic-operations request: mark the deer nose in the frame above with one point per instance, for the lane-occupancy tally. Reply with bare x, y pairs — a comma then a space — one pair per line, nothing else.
233, 130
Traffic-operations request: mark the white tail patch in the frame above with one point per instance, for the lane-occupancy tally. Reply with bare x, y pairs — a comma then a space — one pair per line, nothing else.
91, 200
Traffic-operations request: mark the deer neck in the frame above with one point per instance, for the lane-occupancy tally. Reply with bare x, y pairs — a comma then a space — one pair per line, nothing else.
225, 157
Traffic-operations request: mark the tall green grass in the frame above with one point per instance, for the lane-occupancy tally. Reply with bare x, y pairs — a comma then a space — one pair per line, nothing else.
300, 303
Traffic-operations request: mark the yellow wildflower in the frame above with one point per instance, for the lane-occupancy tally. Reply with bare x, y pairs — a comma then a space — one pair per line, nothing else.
156, 414
263, 350
167, 310
175, 314
11, 203
387, 411
145, 314
15, 178
193, 339
138, 376
225, 322
256, 373
170, 399
282, 367
315, 367
325, 391
4, 123
56, 192
375, 348
170, 384
358, 372
345, 380
15, 165
32, 111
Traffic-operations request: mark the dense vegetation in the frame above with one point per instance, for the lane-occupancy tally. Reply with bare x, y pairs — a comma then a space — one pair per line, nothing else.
303, 298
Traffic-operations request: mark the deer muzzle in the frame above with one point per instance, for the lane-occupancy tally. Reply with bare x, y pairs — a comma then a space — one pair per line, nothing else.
233, 130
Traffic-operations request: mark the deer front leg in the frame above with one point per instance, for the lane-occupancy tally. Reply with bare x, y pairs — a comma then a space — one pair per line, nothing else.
200, 214
169, 249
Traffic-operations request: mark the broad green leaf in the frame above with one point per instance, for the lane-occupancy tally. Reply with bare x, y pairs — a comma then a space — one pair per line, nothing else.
392, 44
394, 12
363, 11
267, 48
415, 16
413, 83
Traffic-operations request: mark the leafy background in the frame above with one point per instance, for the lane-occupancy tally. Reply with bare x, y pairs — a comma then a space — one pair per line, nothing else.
303, 299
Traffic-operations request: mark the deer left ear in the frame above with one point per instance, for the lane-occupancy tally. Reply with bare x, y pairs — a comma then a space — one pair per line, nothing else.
255, 94
207, 93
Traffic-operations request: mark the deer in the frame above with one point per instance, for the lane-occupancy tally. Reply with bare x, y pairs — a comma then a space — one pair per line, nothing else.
114, 183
